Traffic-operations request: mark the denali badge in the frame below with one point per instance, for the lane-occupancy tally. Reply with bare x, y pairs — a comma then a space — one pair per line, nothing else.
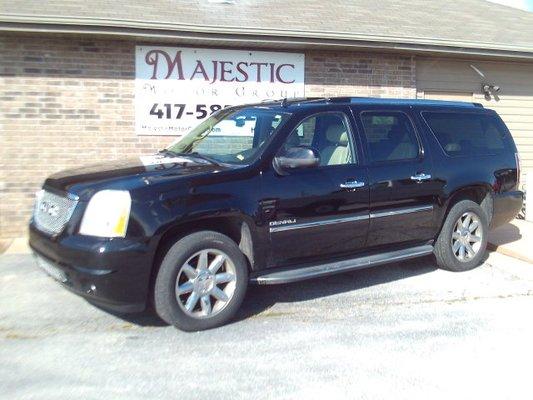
49, 208
282, 222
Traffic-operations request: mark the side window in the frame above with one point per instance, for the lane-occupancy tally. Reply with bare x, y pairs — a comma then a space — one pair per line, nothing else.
327, 133
463, 134
390, 136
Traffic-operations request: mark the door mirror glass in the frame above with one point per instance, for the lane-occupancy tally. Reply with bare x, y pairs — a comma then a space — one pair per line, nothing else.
296, 157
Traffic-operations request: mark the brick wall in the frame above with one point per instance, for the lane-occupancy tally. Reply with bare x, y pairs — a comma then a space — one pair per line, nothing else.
68, 102
359, 74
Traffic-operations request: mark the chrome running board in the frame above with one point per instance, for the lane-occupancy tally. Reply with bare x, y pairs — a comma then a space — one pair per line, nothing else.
295, 274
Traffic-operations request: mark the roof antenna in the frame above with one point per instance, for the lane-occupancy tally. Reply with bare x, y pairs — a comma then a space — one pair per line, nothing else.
284, 102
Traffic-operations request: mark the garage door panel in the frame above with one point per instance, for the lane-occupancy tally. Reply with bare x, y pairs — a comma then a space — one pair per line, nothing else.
449, 96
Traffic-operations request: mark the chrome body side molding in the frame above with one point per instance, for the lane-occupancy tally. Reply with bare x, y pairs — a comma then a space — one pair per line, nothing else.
400, 211
378, 214
318, 223
313, 271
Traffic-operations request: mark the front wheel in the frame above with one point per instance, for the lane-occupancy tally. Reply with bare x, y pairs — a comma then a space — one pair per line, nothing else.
201, 282
462, 241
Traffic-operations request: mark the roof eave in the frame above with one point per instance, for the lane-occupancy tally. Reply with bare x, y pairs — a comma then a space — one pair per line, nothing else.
244, 36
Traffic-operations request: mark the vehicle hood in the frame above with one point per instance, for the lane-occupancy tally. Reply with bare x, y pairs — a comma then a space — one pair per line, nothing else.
129, 174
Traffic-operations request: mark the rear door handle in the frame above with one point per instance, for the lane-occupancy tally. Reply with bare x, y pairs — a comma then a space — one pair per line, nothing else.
352, 185
421, 177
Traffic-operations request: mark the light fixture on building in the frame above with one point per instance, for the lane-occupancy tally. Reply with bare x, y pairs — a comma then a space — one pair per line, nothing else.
489, 89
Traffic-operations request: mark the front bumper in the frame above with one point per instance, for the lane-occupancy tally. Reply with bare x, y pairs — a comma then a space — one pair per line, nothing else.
506, 206
111, 273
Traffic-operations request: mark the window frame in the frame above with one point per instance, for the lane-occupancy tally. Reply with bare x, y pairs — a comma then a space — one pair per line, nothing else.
421, 152
350, 132
464, 112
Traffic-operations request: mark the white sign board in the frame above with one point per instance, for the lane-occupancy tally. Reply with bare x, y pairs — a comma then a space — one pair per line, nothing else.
176, 88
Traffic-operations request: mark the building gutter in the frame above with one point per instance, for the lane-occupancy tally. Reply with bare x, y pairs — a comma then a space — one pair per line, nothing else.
246, 36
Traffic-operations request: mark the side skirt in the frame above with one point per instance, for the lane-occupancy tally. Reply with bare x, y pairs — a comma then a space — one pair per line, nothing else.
295, 274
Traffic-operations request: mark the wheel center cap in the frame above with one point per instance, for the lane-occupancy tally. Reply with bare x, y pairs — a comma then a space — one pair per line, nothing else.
464, 236
204, 282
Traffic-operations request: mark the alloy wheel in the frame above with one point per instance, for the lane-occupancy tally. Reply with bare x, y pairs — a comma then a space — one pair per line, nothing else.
467, 237
205, 283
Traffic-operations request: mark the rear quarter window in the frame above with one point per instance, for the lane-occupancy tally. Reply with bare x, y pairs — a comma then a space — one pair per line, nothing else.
467, 134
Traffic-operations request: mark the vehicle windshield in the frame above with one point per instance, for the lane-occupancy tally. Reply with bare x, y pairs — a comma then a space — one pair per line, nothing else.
231, 136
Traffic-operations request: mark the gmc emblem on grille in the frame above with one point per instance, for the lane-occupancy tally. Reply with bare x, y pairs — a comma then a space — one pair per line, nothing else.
49, 208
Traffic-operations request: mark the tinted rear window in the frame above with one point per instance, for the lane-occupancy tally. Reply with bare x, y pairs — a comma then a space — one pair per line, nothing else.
462, 134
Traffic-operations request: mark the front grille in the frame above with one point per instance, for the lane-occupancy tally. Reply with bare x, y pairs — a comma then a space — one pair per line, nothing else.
52, 211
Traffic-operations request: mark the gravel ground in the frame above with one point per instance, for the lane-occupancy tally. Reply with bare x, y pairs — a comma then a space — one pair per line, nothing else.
402, 331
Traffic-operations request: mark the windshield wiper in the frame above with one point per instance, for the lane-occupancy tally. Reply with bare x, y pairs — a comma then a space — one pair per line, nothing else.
193, 154
168, 152
203, 157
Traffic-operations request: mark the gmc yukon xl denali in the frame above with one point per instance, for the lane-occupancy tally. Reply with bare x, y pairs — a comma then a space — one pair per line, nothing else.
278, 192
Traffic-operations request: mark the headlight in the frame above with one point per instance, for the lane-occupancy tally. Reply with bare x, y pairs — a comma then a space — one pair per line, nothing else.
107, 214
38, 196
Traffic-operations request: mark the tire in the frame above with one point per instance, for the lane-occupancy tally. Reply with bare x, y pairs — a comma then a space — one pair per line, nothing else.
455, 234
202, 252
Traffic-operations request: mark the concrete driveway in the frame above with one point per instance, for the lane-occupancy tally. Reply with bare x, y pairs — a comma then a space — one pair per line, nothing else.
401, 331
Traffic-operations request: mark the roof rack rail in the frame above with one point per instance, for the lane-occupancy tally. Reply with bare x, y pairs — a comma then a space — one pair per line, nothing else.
288, 101
342, 99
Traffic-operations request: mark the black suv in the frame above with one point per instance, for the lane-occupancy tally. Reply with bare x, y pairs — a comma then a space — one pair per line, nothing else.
278, 192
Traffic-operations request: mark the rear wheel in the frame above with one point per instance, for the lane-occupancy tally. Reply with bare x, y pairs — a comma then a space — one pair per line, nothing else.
462, 241
201, 282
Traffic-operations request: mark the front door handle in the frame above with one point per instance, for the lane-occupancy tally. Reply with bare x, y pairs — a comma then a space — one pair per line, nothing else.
421, 177
352, 185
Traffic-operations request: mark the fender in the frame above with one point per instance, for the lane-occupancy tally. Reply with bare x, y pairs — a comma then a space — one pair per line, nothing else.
481, 193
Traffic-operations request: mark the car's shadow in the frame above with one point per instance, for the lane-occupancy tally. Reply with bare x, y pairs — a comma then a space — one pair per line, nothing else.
261, 298
147, 317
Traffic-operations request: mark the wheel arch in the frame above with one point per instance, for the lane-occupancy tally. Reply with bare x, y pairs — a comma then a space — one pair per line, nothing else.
480, 193
237, 227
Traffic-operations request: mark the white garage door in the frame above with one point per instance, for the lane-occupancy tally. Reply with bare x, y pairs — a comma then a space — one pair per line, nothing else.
446, 79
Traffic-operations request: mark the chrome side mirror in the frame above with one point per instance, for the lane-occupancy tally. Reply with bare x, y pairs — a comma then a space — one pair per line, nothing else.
296, 157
